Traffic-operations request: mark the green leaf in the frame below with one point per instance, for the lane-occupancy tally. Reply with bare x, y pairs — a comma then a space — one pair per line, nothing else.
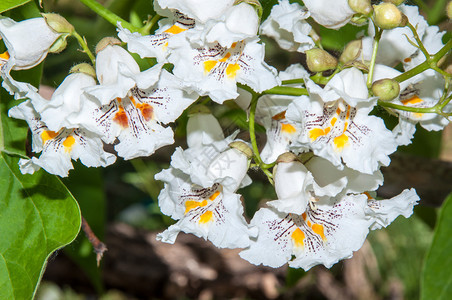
337, 39
436, 282
10, 4
37, 216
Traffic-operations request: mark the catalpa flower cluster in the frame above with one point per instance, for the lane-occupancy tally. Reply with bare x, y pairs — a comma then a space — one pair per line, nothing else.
323, 146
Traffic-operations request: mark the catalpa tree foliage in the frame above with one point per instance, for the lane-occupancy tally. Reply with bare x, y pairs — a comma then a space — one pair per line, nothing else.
326, 139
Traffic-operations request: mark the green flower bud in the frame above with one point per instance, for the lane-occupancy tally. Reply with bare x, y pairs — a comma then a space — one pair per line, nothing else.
319, 60
386, 89
58, 23
351, 52
84, 68
360, 6
395, 2
106, 41
387, 16
242, 147
449, 10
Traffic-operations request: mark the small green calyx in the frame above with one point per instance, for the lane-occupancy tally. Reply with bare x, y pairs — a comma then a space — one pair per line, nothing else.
254, 3
395, 2
58, 23
242, 147
351, 52
107, 41
386, 89
84, 68
361, 6
319, 60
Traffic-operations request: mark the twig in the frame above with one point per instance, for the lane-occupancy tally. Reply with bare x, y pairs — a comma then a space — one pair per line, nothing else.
98, 246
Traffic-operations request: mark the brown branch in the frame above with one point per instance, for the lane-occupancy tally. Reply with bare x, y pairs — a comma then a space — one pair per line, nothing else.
98, 246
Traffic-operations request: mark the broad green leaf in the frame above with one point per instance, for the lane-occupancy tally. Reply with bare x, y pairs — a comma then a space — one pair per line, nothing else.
436, 282
6, 5
337, 39
37, 216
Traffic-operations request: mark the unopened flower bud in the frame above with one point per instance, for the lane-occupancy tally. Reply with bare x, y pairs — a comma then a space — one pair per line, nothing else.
360, 6
242, 147
387, 16
386, 89
449, 10
58, 23
107, 41
351, 51
319, 60
395, 2
84, 68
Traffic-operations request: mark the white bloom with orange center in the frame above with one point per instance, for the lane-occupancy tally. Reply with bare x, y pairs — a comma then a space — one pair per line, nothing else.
200, 193
287, 25
335, 124
134, 104
298, 184
58, 148
326, 233
27, 43
215, 70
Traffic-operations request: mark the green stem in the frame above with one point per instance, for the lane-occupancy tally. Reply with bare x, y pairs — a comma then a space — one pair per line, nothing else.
430, 62
146, 29
82, 43
286, 90
292, 81
370, 75
421, 110
264, 167
108, 15
436, 12
420, 45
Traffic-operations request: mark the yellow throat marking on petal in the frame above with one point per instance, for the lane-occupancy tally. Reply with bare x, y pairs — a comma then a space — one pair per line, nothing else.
47, 135
206, 217
231, 70
288, 128
369, 197
192, 204
68, 143
318, 132
319, 229
121, 118
333, 121
226, 57
341, 141
411, 101
175, 29
209, 65
147, 111
4, 55
214, 195
298, 237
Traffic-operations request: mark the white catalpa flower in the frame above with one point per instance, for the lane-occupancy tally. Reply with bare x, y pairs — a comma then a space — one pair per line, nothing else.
203, 128
326, 233
200, 193
271, 113
394, 46
134, 104
298, 184
330, 13
286, 24
334, 123
215, 70
27, 43
200, 10
156, 45
65, 107
58, 148
238, 23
